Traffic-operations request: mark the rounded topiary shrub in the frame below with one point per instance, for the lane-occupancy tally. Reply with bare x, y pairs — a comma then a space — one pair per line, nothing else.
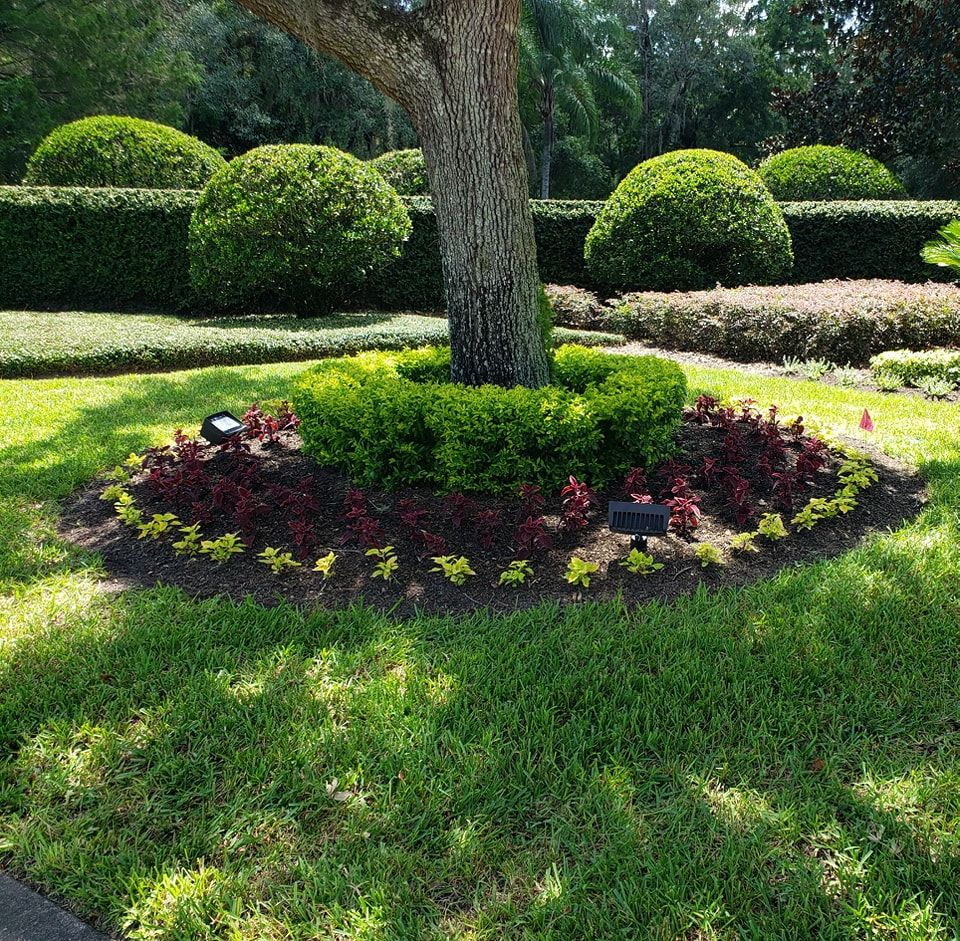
688, 220
395, 420
405, 171
124, 152
825, 173
295, 226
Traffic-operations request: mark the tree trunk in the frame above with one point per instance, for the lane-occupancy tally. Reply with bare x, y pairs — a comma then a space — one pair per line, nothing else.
549, 140
452, 65
471, 139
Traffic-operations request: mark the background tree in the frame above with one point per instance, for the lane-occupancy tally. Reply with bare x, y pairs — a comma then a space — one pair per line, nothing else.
565, 70
258, 85
66, 59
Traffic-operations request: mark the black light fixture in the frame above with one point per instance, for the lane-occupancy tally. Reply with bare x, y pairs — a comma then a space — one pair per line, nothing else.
638, 520
221, 426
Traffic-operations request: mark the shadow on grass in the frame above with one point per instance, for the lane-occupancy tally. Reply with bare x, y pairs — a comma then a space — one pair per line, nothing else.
776, 762
147, 411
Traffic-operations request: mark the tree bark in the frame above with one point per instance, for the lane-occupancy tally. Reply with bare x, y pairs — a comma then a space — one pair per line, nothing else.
452, 65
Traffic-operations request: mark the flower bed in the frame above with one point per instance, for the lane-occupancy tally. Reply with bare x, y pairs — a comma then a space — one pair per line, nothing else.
748, 493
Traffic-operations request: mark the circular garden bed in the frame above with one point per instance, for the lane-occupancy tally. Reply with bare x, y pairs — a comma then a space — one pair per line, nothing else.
749, 493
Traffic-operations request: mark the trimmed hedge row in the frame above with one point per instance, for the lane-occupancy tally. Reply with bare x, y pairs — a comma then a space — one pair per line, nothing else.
866, 239
394, 420
842, 321
117, 249
104, 248
36, 344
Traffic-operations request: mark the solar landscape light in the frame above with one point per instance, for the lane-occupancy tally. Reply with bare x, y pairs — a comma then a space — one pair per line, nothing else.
220, 427
638, 520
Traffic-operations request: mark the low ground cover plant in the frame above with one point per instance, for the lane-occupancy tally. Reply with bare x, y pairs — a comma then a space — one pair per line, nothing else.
42, 343
394, 420
689, 220
911, 368
834, 321
821, 172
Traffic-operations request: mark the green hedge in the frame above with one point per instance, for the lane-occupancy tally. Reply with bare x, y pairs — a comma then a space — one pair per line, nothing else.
108, 150
821, 172
866, 239
118, 249
388, 420
103, 248
841, 321
688, 220
71, 343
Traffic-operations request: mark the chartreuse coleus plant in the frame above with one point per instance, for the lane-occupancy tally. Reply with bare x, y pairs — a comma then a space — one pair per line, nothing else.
157, 525
324, 565
189, 541
127, 510
113, 493
640, 563
277, 561
516, 573
224, 548
708, 554
387, 563
745, 542
771, 527
455, 570
855, 475
579, 571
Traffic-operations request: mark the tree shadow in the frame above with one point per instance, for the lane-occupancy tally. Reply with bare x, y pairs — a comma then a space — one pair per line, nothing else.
727, 766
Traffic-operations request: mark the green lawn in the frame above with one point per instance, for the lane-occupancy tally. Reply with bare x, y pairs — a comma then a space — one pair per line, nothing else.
776, 762
41, 343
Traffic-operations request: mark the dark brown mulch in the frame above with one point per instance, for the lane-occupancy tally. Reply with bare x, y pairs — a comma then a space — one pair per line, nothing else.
91, 523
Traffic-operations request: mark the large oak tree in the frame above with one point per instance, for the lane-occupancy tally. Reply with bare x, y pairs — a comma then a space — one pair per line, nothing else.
452, 65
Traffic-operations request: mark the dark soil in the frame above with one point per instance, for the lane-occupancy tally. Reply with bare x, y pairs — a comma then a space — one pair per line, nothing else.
91, 523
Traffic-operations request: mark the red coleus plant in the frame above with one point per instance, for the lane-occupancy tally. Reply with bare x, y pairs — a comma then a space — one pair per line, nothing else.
578, 499
738, 495
810, 459
411, 515
304, 537
532, 534
532, 501
488, 523
685, 513
459, 509
635, 482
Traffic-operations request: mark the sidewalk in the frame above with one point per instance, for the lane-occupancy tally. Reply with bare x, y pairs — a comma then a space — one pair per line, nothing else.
27, 916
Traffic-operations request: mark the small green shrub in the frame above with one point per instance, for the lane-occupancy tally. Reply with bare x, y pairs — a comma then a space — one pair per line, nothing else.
811, 325
122, 152
405, 171
907, 368
820, 172
687, 220
293, 225
396, 420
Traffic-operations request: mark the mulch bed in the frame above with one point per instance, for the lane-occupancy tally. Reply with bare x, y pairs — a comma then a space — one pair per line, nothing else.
91, 523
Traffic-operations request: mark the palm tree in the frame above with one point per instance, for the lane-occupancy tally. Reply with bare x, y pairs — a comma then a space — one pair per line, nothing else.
564, 67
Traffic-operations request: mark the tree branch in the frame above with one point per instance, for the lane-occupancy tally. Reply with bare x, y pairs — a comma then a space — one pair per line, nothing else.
388, 47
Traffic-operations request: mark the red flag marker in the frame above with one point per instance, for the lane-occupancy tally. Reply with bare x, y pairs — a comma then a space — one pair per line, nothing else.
866, 422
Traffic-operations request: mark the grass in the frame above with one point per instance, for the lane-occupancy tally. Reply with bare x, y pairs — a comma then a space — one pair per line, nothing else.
781, 761
34, 344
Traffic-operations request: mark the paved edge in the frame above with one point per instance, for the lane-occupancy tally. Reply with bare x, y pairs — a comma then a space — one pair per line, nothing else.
26, 915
